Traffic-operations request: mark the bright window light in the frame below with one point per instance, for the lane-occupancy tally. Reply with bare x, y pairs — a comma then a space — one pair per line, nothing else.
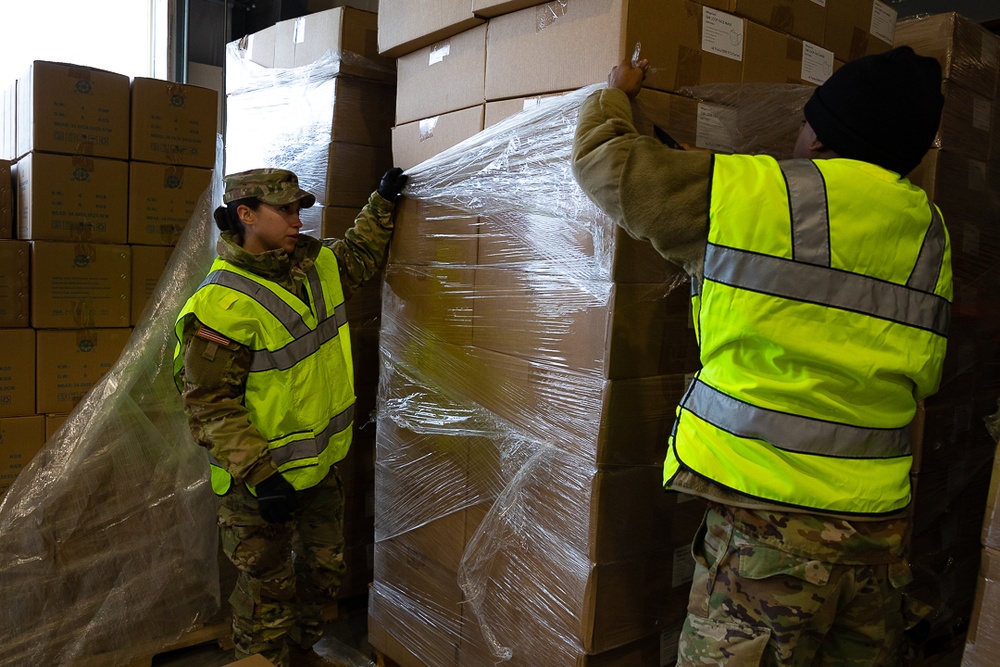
124, 36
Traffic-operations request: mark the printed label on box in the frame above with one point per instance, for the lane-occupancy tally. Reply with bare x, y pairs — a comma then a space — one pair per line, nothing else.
713, 128
883, 22
683, 570
817, 63
439, 53
721, 33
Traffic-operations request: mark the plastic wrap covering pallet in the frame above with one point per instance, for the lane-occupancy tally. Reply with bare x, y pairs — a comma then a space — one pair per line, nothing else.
108, 545
532, 358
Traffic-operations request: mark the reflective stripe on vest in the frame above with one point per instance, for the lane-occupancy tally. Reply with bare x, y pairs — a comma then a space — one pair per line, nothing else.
290, 344
753, 421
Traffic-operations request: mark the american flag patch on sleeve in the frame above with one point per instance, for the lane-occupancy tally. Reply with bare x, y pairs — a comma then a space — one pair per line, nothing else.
214, 336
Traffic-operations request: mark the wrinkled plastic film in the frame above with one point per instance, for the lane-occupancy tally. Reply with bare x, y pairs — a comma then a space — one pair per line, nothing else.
108, 546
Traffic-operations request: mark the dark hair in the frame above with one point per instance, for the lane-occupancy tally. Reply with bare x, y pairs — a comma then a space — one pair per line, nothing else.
228, 220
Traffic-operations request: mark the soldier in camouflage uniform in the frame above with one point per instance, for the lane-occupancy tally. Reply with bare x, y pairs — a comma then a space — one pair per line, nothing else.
278, 600
794, 433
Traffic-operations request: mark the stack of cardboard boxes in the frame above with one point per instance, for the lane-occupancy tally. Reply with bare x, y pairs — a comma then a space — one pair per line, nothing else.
313, 95
533, 354
105, 173
951, 477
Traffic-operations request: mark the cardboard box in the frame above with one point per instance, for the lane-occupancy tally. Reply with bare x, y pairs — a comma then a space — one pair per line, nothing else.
173, 123
353, 173
69, 362
501, 109
349, 33
76, 285
257, 48
407, 25
412, 143
6, 201
20, 439
690, 45
805, 19
968, 53
983, 641
446, 76
774, 57
17, 372
966, 122
490, 8
162, 199
362, 111
148, 263
72, 109
856, 28
427, 233
253, 661
688, 121
72, 198
53, 423
15, 283
433, 300
213, 78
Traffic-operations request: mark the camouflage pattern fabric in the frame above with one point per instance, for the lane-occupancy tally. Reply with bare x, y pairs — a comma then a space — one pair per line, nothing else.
279, 598
271, 186
793, 590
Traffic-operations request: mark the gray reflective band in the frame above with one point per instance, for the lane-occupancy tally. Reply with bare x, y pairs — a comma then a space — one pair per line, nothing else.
827, 287
310, 448
297, 350
928, 267
809, 215
284, 313
794, 433
316, 287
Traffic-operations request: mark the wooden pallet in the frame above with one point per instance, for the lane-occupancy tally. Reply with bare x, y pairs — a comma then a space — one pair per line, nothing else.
215, 632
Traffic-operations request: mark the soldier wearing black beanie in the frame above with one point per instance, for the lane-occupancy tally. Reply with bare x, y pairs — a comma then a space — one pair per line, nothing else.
884, 109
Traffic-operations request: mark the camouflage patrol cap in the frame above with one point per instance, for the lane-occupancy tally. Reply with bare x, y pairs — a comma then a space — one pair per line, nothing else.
271, 186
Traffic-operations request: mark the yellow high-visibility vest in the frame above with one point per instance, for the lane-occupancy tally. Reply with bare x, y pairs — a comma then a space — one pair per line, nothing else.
300, 388
822, 317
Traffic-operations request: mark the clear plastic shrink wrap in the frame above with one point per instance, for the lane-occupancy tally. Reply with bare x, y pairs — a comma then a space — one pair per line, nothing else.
108, 546
328, 121
532, 359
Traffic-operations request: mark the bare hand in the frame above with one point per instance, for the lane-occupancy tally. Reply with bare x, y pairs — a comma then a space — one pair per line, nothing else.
628, 77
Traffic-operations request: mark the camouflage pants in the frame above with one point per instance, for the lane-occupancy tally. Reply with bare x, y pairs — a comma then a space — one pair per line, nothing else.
287, 572
755, 604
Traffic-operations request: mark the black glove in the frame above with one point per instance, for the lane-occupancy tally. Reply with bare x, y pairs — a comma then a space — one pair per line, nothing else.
392, 184
276, 499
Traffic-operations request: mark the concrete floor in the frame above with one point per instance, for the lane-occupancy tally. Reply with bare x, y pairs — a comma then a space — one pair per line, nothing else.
345, 640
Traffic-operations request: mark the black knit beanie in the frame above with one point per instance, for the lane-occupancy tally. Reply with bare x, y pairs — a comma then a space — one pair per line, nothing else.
884, 109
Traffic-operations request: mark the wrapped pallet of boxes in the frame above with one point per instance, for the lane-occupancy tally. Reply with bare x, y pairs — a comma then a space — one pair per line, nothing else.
312, 95
952, 475
532, 358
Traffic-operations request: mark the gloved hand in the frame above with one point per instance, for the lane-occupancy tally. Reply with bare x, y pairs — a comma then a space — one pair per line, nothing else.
276, 499
392, 184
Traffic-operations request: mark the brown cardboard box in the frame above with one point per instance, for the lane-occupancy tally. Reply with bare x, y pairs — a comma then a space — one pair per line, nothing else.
253, 661
968, 53
53, 423
427, 233
14, 283
501, 109
362, 112
856, 28
966, 122
17, 372
443, 77
173, 123
258, 48
212, 77
69, 362
162, 199
353, 173
412, 143
688, 121
6, 201
347, 32
983, 641
490, 8
148, 263
434, 299
805, 19
75, 285
690, 44
770, 56
20, 439
407, 25
72, 198
72, 109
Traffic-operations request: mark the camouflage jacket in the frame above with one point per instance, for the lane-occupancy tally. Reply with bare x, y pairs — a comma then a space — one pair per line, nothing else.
214, 376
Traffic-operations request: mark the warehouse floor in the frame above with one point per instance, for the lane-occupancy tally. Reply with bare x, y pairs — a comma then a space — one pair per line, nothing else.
346, 639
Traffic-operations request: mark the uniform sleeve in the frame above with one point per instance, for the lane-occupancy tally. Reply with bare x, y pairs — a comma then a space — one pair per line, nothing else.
214, 382
657, 194
361, 253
